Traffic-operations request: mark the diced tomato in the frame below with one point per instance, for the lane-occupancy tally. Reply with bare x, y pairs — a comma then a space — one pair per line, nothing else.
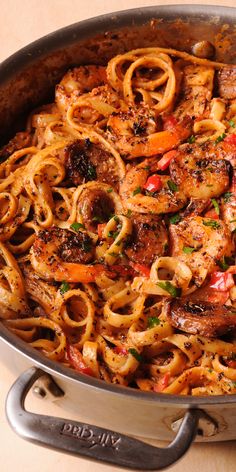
164, 162
142, 269
76, 359
222, 281
153, 183
100, 228
231, 139
162, 383
169, 122
120, 350
212, 214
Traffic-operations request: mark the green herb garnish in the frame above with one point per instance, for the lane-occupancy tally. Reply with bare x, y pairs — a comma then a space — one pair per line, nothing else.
227, 196
225, 262
172, 186
64, 287
170, 288
231, 123
129, 213
191, 139
175, 219
99, 219
91, 172
220, 138
109, 190
116, 218
216, 206
135, 354
136, 191
153, 321
213, 223
77, 226
119, 242
188, 249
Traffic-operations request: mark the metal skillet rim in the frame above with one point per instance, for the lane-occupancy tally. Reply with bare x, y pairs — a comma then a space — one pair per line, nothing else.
47, 44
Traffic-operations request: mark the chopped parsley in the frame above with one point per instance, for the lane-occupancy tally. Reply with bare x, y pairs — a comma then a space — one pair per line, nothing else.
99, 219
232, 123
170, 288
188, 249
227, 196
64, 287
135, 354
112, 234
191, 139
91, 172
109, 190
136, 191
129, 213
213, 223
116, 218
153, 321
175, 219
119, 242
77, 226
216, 206
172, 186
220, 138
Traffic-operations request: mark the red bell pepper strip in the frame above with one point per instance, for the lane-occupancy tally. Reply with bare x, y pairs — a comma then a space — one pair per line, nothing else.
212, 214
162, 383
76, 359
153, 183
222, 281
142, 269
164, 162
230, 139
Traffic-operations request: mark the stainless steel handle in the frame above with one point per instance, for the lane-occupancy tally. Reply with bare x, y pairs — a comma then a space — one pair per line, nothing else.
90, 441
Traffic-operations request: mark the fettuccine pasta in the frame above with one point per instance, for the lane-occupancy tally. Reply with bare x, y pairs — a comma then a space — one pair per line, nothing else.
117, 224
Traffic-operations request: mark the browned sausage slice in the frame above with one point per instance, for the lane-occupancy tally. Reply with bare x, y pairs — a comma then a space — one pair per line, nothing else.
201, 317
148, 240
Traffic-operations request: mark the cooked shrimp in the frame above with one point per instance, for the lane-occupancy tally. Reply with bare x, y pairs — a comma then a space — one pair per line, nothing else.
78, 81
206, 240
62, 255
200, 176
135, 133
166, 200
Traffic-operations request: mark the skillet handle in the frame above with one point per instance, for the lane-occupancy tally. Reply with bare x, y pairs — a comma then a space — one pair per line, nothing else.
91, 441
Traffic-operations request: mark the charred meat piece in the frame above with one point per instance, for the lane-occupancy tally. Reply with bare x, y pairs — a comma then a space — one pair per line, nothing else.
70, 246
148, 240
201, 317
226, 80
85, 161
96, 207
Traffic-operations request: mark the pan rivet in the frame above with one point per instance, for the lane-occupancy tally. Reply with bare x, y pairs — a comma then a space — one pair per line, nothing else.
39, 392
